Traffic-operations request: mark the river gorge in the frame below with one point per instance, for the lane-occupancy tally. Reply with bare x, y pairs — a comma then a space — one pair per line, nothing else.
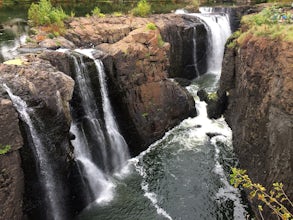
107, 122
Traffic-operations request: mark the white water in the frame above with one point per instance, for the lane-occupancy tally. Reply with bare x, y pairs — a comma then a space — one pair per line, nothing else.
218, 27
119, 148
45, 170
100, 186
111, 144
9, 51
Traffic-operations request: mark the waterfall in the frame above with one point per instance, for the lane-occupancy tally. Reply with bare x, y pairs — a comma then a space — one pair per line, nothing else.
219, 30
53, 191
97, 137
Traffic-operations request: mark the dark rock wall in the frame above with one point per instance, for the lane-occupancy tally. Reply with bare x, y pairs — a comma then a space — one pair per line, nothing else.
48, 92
258, 77
150, 104
188, 46
11, 175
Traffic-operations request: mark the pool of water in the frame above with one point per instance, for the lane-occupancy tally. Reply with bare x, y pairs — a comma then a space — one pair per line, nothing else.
182, 176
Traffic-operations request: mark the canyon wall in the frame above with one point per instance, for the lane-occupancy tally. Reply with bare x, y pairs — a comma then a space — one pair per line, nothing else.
258, 79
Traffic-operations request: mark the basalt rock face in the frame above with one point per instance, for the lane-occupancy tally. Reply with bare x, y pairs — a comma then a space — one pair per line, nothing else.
149, 103
258, 78
136, 61
188, 45
11, 175
46, 91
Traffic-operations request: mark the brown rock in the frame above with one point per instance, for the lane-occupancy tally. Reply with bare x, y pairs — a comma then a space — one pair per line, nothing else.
260, 110
55, 43
11, 175
149, 104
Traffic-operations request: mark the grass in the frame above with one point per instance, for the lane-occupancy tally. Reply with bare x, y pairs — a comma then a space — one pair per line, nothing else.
274, 22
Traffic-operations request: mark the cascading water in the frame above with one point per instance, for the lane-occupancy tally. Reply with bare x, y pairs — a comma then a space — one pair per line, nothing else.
53, 193
218, 27
183, 175
219, 31
119, 148
91, 134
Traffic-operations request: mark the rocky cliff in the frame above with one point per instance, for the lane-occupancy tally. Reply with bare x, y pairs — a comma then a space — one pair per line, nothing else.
147, 103
258, 78
46, 91
11, 174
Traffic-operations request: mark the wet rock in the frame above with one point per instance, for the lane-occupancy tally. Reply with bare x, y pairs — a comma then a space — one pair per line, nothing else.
216, 103
182, 81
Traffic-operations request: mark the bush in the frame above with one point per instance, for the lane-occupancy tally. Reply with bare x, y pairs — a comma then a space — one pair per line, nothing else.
4, 149
275, 199
43, 13
142, 9
151, 26
97, 12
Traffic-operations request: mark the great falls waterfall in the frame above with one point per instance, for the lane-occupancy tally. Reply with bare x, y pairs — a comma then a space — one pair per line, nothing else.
99, 147
184, 175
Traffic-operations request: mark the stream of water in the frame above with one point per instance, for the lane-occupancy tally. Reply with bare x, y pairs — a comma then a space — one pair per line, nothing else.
184, 175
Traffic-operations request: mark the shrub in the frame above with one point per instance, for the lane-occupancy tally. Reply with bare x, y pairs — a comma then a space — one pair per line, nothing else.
43, 13
195, 4
4, 149
274, 199
117, 14
151, 26
160, 41
142, 9
97, 12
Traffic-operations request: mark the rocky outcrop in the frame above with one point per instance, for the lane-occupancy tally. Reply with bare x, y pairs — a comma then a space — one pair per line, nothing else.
149, 103
258, 78
11, 175
136, 62
46, 91
188, 44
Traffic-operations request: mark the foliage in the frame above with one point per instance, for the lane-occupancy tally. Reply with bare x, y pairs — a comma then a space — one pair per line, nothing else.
43, 13
117, 14
160, 41
273, 22
195, 3
275, 199
232, 41
4, 149
142, 9
269, 15
213, 96
151, 26
97, 12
